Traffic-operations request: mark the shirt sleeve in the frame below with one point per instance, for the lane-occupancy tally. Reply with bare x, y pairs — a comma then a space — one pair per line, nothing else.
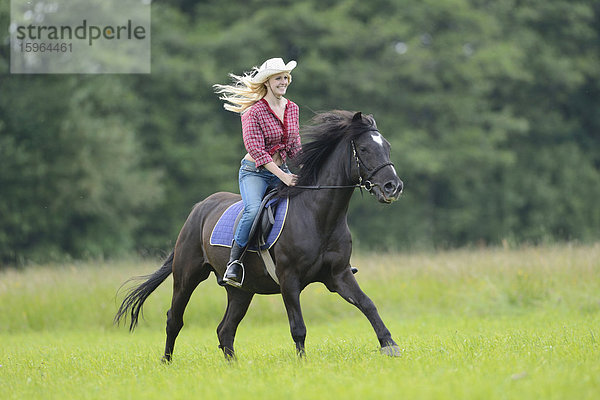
294, 144
254, 139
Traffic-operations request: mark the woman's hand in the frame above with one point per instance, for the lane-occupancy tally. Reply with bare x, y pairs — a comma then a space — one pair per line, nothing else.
290, 179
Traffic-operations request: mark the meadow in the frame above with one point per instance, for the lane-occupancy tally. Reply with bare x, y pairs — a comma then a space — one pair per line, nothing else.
501, 323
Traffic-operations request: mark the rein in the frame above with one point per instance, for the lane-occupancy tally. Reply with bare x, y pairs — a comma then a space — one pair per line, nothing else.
362, 183
319, 187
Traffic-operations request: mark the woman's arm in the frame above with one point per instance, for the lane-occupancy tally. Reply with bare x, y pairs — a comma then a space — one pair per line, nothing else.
288, 179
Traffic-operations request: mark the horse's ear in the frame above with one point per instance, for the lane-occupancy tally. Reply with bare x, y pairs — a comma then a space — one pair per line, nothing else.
357, 117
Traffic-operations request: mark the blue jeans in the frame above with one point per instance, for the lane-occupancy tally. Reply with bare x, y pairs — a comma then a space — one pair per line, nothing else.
254, 183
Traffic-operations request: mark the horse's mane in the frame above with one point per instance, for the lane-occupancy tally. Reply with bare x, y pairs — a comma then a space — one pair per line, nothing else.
325, 132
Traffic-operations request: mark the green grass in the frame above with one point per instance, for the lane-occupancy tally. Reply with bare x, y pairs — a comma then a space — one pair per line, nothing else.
472, 324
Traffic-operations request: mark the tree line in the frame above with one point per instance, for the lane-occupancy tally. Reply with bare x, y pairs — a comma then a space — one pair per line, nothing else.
490, 106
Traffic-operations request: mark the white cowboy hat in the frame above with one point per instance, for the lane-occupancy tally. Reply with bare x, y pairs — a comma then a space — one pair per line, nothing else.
271, 67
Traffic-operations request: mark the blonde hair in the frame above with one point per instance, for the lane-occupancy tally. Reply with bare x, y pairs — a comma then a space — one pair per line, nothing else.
244, 91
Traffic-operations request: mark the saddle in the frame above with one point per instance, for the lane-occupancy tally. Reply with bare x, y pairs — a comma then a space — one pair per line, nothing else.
263, 223
265, 230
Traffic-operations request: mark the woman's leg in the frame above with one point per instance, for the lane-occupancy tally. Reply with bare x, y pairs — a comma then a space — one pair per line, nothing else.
253, 185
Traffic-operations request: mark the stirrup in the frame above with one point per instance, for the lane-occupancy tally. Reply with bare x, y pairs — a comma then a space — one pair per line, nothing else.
232, 282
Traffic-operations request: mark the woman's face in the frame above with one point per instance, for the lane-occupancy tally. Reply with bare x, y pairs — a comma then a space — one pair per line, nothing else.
278, 84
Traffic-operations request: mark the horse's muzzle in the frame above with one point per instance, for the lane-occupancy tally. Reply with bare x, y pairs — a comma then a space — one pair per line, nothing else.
390, 191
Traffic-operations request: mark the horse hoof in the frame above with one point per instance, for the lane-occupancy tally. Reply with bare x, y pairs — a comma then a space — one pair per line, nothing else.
165, 360
228, 353
392, 351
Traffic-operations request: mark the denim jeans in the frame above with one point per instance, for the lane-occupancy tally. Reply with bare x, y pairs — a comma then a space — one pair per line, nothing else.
254, 183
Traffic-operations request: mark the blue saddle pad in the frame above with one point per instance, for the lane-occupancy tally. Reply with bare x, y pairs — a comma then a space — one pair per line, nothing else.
222, 234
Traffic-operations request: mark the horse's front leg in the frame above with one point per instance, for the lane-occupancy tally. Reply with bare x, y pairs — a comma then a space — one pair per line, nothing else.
290, 291
345, 284
238, 302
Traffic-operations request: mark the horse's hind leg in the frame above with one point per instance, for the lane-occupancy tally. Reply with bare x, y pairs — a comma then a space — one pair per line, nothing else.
187, 274
345, 284
238, 302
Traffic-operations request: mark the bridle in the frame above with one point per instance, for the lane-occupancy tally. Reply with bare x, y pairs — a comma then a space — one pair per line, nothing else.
366, 182
363, 183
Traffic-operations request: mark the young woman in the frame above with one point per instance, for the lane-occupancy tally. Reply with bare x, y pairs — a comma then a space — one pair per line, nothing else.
271, 134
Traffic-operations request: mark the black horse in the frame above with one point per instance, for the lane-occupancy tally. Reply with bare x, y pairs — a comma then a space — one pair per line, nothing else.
343, 150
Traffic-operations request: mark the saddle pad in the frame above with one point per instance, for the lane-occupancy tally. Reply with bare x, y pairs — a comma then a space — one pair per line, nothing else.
222, 234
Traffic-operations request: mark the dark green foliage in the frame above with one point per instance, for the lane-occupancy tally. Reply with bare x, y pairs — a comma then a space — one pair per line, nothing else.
491, 108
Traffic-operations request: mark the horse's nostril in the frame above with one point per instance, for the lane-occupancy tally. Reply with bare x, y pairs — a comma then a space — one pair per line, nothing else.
390, 187
393, 188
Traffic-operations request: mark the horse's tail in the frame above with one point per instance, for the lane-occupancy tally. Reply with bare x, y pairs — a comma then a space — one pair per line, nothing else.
136, 296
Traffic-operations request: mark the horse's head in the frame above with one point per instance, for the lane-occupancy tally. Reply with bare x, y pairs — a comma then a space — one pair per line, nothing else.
323, 161
371, 152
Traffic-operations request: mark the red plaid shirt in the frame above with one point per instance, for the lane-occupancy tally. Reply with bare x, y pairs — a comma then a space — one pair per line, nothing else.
265, 134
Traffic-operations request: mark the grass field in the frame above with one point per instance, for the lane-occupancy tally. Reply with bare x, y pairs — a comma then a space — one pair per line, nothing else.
472, 324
